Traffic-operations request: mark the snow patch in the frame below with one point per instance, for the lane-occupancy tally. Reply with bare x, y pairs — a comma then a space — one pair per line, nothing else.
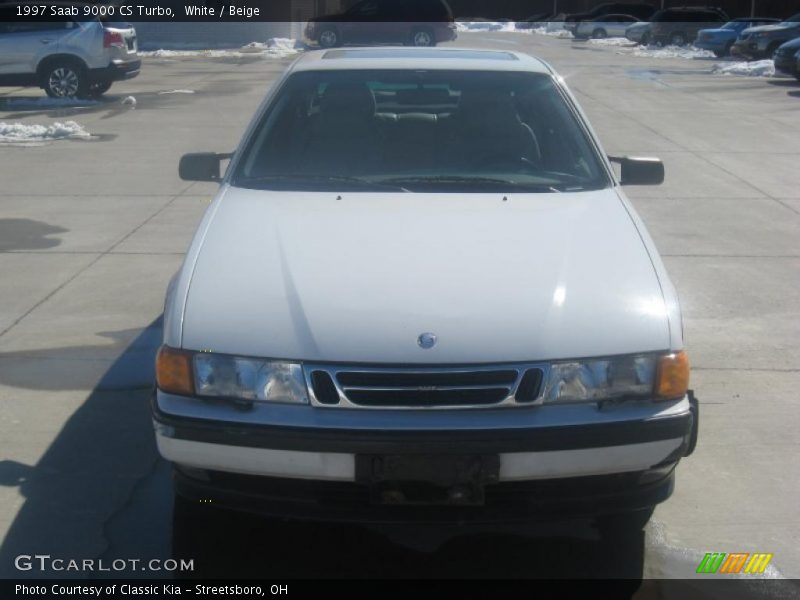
272, 48
129, 101
166, 92
23, 133
757, 68
613, 41
485, 26
671, 52
554, 30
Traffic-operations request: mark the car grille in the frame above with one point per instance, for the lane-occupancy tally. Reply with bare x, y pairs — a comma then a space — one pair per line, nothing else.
424, 387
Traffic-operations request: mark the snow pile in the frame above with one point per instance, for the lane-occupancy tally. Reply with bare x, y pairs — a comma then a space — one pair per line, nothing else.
672, 52
553, 29
20, 132
485, 26
614, 41
758, 68
272, 48
129, 101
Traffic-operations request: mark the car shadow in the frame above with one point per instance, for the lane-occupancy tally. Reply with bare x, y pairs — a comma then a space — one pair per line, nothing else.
783, 82
79, 490
260, 547
100, 491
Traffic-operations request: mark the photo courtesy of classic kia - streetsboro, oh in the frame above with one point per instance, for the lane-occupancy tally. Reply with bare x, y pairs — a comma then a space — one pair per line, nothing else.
421, 295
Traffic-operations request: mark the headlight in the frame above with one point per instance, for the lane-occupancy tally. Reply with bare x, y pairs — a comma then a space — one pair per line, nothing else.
225, 376
604, 379
644, 376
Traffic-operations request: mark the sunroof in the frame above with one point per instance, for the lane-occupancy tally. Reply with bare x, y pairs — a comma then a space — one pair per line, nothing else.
405, 53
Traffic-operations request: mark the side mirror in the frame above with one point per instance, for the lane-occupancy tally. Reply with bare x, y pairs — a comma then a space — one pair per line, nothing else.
201, 166
639, 170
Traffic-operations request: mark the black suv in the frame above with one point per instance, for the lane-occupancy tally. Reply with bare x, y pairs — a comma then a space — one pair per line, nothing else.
640, 10
412, 22
678, 26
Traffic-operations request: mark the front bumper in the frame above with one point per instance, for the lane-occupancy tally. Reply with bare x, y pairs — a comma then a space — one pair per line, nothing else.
750, 49
786, 64
711, 44
310, 472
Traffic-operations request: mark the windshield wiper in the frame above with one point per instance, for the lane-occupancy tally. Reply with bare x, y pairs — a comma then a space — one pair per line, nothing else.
460, 179
303, 177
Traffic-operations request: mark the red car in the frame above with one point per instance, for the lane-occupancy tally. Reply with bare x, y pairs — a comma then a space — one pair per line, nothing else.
412, 22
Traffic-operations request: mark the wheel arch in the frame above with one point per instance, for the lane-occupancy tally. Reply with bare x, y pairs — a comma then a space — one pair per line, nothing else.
54, 58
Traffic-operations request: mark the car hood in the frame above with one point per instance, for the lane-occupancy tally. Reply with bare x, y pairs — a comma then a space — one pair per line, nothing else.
776, 27
720, 30
305, 275
791, 44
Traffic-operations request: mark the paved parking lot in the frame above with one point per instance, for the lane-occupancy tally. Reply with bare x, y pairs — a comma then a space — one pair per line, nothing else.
92, 230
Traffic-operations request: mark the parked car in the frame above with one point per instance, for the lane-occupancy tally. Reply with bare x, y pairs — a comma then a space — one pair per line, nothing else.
340, 342
763, 41
720, 40
535, 21
640, 10
786, 56
412, 22
71, 57
605, 26
797, 65
679, 26
639, 33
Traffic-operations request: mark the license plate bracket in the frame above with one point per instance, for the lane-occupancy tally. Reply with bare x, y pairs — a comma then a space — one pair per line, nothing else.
427, 479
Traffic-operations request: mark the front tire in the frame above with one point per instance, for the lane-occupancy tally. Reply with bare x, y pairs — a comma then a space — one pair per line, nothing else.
599, 34
65, 79
677, 39
423, 37
329, 38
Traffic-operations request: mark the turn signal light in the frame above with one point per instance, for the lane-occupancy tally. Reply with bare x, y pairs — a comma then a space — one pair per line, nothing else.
673, 376
174, 371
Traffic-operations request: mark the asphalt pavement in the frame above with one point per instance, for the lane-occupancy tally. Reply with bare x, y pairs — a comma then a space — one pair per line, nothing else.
91, 230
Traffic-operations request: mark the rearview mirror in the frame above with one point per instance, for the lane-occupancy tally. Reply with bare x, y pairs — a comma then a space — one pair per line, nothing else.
201, 166
636, 170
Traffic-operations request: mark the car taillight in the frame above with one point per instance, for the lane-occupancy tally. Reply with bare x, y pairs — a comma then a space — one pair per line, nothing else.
113, 39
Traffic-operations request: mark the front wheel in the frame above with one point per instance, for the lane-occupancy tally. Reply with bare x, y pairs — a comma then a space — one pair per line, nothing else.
422, 37
599, 34
677, 39
329, 38
65, 80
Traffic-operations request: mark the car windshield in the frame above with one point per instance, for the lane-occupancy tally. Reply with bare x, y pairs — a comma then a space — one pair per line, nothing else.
793, 19
734, 25
407, 130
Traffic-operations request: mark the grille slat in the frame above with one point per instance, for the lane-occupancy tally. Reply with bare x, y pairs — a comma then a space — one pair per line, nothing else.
420, 387
418, 378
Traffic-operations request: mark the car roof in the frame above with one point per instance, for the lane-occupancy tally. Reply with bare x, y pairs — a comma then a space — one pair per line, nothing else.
388, 57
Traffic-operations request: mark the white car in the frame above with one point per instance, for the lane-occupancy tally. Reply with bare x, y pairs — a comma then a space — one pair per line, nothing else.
604, 27
67, 56
421, 294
